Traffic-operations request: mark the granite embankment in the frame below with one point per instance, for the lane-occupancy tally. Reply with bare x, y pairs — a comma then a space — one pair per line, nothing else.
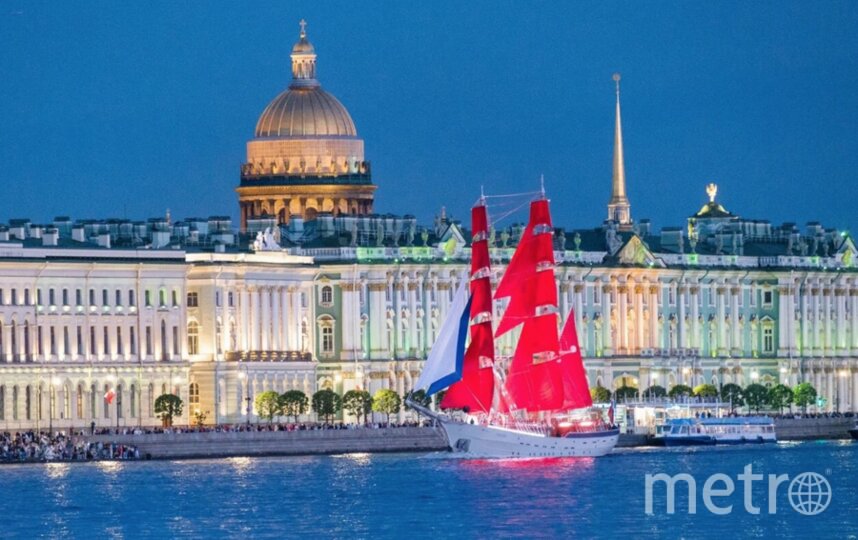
281, 443
399, 439
802, 429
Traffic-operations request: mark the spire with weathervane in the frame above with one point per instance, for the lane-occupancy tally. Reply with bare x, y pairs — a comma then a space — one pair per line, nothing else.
303, 60
619, 209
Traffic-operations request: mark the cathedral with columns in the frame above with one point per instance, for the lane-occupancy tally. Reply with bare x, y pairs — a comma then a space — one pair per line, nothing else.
313, 290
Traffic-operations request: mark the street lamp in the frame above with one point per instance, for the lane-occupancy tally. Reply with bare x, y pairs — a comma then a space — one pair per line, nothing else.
243, 375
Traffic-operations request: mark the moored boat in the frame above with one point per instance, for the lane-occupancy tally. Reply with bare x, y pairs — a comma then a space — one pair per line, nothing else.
706, 431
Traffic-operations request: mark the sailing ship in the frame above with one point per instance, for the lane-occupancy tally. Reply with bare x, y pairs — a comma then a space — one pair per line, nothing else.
539, 406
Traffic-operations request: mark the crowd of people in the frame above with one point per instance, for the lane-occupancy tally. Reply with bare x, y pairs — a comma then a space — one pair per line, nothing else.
30, 446
253, 427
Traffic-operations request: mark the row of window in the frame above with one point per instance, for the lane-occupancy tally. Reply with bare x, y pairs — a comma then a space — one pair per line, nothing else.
67, 335
64, 297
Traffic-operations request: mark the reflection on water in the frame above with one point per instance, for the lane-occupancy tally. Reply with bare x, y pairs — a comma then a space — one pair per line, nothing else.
391, 496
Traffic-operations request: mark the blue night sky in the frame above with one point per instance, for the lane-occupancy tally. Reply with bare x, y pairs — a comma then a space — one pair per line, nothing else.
110, 110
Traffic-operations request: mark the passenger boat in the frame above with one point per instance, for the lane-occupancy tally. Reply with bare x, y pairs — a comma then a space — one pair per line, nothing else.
854, 431
539, 406
705, 431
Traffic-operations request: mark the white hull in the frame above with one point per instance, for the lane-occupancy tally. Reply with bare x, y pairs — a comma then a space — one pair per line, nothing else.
480, 441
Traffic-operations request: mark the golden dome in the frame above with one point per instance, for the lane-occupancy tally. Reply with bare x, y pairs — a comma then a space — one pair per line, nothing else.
305, 111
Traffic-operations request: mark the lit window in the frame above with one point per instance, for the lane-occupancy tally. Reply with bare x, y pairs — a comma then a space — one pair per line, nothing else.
327, 295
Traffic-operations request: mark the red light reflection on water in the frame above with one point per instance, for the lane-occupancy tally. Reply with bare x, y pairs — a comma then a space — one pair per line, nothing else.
549, 467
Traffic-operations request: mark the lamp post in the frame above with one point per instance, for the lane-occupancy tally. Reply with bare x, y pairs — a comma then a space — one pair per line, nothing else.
243, 375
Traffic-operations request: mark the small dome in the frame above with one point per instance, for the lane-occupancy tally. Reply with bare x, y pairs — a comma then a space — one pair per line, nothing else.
305, 112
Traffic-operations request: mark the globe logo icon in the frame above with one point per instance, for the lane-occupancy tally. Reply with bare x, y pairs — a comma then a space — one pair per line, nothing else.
809, 493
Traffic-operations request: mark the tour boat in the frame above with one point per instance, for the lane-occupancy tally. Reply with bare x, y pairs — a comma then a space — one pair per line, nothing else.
854, 431
539, 405
728, 430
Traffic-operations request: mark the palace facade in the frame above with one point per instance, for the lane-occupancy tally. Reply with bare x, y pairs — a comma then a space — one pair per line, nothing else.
312, 290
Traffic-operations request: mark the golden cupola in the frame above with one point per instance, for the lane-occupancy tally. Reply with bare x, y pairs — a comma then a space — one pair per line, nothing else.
305, 156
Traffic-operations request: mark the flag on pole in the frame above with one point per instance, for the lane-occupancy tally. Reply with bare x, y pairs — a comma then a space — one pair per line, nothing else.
109, 395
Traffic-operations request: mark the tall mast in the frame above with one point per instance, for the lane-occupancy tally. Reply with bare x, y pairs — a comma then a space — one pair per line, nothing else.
476, 388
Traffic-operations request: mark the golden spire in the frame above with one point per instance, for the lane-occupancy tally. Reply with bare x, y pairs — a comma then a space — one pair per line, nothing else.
619, 209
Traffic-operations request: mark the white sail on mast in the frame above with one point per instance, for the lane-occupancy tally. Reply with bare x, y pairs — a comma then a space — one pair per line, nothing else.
443, 367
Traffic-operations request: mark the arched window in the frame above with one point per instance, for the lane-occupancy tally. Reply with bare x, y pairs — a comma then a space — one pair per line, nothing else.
164, 350
194, 395
28, 403
106, 403
327, 295
79, 411
14, 403
193, 337
218, 336
151, 402
133, 401
2, 403
93, 402
66, 401
118, 399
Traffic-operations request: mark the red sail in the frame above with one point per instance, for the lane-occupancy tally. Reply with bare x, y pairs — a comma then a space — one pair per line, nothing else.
525, 260
476, 388
534, 381
576, 391
533, 258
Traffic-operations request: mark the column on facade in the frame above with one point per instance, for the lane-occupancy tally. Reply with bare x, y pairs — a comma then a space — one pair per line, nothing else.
350, 319
298, 319
286, 341
805, 306
815, 315
607, 345
378, 317
255, 316
563, 298
244, 319
721, 319
827, 323
578, 308
695, 340
655, 340
622, 319
735, 328
681, 327
276, 341
639, 318
7, 340
412, 317
854, 376
853, 314
840, 321
265, 315
830, 389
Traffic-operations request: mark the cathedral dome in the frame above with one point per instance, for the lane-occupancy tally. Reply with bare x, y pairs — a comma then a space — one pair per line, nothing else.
305, 112
304, 109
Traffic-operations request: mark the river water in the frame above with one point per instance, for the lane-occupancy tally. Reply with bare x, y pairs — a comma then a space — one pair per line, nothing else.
432, 495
